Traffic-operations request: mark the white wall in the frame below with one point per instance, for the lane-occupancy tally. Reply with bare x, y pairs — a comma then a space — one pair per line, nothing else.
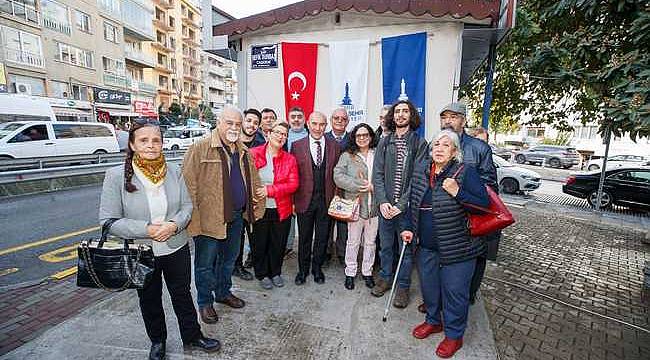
264, 88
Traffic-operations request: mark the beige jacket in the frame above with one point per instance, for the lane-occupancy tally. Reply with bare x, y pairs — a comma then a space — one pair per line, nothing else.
202, 173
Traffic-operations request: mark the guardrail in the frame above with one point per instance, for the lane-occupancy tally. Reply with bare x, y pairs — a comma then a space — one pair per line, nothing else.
59, 161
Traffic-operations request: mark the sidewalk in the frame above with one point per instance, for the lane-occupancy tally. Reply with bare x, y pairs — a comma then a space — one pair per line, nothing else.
309, 322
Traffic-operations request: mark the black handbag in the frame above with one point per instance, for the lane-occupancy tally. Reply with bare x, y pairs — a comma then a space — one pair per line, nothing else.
113, 268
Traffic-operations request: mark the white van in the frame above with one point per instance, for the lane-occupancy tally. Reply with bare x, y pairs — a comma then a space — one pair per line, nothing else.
181, 137
28, 139
14, 107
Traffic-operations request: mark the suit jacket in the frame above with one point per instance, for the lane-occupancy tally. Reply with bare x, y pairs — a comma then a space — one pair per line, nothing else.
300, 149
133, 208
343, 144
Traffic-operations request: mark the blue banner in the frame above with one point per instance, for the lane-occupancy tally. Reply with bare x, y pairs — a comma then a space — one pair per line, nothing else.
403, 62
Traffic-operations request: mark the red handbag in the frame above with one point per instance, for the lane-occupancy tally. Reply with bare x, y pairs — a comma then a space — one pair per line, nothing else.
491, 219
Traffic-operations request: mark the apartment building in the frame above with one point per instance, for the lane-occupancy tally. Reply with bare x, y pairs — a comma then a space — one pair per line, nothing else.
214, 86
177, 50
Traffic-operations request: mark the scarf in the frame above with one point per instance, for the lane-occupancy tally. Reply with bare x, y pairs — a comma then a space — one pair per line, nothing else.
154, 170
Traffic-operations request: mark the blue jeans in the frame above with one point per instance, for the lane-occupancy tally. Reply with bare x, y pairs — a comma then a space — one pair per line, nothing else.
214, 261
388, 234
445, 289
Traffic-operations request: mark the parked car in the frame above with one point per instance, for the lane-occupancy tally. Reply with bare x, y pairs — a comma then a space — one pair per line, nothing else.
514, 179
16, 107
501, 152
553, 155
181, 137
619, 161
623, 186
26, 139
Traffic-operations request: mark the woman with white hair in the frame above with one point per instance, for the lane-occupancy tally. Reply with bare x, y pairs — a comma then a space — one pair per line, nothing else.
446, 256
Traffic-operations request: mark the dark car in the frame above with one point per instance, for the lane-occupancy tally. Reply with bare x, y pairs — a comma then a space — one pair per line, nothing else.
553, 155
501, 152
624, 186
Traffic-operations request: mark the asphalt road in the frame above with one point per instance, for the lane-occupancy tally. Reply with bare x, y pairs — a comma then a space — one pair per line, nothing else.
39, 232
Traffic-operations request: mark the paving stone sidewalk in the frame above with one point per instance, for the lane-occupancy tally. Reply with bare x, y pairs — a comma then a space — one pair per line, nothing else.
27, 312
591, 266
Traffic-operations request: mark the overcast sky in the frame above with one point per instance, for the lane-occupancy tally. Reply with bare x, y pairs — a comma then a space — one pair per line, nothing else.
243, 8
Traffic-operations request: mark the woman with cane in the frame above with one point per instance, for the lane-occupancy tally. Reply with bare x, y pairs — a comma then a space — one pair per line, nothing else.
446, 253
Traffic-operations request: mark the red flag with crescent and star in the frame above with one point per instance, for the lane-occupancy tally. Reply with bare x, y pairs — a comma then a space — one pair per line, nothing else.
299, 64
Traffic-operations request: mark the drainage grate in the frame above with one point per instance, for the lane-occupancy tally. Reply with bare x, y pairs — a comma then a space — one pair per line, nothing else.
583, 204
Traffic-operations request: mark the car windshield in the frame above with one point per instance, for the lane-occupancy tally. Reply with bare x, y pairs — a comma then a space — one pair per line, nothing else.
172, 134
501, 162
8, 128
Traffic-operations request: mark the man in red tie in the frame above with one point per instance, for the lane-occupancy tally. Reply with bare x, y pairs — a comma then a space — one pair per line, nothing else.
316, 156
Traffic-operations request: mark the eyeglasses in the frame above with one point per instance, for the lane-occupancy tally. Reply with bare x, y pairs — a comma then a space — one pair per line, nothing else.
145, 121
339, 118
280, 134
362, 136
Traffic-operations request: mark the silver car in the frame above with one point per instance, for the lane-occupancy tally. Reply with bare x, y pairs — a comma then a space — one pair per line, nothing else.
552, 155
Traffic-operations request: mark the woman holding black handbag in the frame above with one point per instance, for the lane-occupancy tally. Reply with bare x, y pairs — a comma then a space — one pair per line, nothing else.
443, 190
149, 199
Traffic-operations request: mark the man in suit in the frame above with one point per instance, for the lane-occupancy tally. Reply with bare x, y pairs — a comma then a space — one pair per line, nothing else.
316, 156
340, 121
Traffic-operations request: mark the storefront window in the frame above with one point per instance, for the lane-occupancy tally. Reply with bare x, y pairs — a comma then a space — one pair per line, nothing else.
59, 89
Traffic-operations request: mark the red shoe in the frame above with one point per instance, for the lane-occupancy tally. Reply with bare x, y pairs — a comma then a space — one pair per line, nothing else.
425, 329
448, 347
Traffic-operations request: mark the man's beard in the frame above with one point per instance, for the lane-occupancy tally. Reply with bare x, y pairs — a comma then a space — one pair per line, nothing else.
397, 125
247, 133
232, 136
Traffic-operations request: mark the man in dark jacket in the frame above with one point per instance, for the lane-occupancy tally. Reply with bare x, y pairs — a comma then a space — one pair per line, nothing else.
478, 154
395, 157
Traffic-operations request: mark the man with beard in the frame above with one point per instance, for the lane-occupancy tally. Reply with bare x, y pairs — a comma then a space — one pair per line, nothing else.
382, 131
395, 157
225, 189
268, 118
476, 153
297, 131
250, 135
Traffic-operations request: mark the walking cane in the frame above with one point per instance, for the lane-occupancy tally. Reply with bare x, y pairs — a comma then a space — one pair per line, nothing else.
392, 289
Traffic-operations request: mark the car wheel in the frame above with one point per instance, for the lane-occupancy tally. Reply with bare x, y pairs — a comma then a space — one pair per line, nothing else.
520, 159
593, 167
605, 201
509, 186
175, 147
554, 163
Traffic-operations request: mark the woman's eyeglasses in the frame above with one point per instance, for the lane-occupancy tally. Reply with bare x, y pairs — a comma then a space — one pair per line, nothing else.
145, 121
362, 136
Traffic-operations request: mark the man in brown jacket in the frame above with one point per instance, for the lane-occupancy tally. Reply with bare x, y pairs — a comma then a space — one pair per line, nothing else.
225, 188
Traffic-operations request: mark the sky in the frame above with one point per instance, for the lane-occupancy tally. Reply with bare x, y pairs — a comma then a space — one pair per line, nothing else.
243, 8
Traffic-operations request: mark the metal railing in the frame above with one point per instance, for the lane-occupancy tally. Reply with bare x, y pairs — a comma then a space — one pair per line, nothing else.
139, 56
23, 57
116, 80
41, 163
20, 10
56, 25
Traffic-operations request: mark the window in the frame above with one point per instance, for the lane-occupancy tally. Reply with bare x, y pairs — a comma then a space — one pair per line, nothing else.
162, 59
80, 92
173, 64
74, 56
22, 47
23, 9
174, 84
163, 81
172, 22
113, 66
59, 89
172, 43
111, 33
535, 132
82, 21
32, 133
55, 16
111, 6
67, 131
33, 85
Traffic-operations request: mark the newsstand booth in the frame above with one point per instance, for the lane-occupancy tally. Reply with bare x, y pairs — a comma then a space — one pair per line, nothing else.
323, 54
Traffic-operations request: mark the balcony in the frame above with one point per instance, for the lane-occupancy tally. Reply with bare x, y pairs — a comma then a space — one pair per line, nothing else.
216, 84
162, 24
189, 22
191, 60
164, 89
163, 67
217, 70
114, 80
57, 25
191, 77
141, 86
163, 46
110, 8
23, 57
138, 57
21, 12
190, 41
165, 4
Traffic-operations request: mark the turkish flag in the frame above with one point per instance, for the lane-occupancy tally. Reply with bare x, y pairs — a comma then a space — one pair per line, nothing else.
299, 65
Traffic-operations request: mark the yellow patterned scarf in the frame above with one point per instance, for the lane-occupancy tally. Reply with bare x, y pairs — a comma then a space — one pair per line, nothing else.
154, 170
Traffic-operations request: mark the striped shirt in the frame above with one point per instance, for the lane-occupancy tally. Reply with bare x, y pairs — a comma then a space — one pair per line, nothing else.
402, 151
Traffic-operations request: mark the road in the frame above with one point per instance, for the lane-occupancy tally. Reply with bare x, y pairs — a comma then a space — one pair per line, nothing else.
39, 232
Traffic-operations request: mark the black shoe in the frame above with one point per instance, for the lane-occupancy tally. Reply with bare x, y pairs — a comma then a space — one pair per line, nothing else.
349, 282
203, 343
370, 281
249, 261
319, 278
242, 273
300, 279
342, 260
157, 351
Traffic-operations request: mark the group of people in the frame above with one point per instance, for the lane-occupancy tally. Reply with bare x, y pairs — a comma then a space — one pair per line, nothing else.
256, 177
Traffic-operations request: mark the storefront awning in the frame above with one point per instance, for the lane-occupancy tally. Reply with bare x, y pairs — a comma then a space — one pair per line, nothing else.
116, 112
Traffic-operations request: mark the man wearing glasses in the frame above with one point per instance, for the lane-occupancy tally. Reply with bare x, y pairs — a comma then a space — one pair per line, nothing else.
226, 189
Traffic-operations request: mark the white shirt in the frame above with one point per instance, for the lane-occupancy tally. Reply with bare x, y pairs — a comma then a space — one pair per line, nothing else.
368, 160
313, 148
157, 199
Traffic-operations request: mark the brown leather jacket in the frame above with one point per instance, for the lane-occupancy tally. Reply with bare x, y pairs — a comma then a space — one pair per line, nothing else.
202, 173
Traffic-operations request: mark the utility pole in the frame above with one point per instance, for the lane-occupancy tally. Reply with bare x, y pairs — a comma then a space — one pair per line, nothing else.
603, 170
489, 86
